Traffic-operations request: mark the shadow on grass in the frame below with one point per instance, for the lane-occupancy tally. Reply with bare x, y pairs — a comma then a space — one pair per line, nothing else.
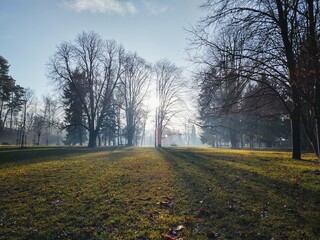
34, 154
242, 203
203, 162
47, 202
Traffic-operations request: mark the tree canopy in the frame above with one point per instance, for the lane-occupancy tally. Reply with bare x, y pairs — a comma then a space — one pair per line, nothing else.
259, 45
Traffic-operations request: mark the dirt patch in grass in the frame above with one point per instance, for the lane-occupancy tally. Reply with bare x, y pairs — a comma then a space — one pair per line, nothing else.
146, 193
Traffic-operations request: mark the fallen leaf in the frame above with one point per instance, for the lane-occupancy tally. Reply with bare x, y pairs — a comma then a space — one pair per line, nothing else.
57, 202
187, 219
197, 228
105, 215
151, 217
166, 204
175, 230
168, 198
106, 189
145, 199
110, 228
231, 208
168, 237
90, 229
203, 212
211, 235
202, 209
178, 228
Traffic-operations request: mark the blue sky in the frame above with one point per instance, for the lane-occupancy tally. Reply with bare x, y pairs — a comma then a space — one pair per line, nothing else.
30, 30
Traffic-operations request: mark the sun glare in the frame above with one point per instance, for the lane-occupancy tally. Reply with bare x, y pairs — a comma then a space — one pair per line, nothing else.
152, 102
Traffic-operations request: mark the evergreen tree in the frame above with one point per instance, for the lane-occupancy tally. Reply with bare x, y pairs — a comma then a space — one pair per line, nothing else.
74, 119
109, 127
193, 135
10, 94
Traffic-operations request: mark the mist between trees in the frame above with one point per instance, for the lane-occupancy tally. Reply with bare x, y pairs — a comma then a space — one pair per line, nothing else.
103, 96
258, 73
256, 68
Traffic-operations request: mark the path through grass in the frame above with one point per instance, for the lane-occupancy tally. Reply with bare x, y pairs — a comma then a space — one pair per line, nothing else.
145, 193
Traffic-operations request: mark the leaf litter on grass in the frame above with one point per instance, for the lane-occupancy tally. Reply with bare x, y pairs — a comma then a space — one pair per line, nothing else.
210, 194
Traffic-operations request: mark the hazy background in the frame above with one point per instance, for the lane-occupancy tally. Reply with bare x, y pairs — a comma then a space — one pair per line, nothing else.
31, 30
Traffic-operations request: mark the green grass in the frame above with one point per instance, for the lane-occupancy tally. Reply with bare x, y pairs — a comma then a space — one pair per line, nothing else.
142, 193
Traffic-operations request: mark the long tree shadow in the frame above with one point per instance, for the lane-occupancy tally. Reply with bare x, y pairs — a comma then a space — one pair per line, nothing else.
68, 194
239, 201
32, 155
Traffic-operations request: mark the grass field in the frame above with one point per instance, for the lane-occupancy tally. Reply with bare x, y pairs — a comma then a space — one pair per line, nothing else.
146, 193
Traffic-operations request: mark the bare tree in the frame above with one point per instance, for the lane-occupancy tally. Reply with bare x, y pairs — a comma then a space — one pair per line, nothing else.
309, 70
28, 100
134, 85
10, 96
100, 62
273, 30
38, 126
50, 112
144, 116
169, 87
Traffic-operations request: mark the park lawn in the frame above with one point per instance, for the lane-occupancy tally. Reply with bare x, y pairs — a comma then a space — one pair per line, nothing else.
149, 193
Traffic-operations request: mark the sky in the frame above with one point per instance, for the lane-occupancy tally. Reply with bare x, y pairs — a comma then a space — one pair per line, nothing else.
31, 30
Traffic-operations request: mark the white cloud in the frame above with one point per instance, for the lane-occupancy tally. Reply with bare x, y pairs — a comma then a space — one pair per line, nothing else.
154, 7
103, 6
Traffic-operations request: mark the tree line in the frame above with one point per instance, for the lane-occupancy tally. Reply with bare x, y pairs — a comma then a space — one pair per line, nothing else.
259, 65
22, 116
102, 94
104, 87
15, 101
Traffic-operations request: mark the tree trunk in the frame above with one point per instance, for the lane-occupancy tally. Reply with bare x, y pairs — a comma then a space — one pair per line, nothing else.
309, 123
233, 133
38, 142
241, 140
80, 135
251, 141
233, 138
159, 136
1, 108
295, 130
314, 50
11, 118
92, 139
143, 134
130, 137
317, 116
130, 126
295, 122
99, 140
317, 130
291, 64
23, 143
